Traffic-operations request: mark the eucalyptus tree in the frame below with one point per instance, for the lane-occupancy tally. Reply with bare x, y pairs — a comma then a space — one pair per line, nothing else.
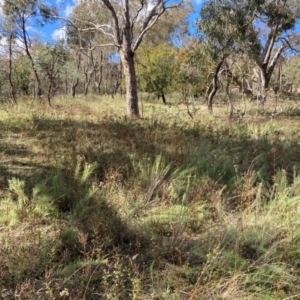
10, 41
23, 77
194, 65
125, 29
82, 40
262, 30
50, 60
156, 68
157, 63
21, 14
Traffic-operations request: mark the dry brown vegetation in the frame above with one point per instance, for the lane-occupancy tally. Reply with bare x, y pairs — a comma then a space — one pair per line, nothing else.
94, 205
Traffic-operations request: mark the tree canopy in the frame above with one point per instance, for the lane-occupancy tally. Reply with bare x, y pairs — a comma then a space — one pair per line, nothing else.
260, 30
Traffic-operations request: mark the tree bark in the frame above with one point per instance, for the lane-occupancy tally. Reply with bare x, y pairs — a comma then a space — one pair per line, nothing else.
163, 98
38, 81
99, 81
210, 94
12, 87
265, 65
74, 86
127, 59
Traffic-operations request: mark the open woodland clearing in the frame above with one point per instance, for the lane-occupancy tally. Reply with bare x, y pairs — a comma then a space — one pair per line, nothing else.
133, 164
96, 205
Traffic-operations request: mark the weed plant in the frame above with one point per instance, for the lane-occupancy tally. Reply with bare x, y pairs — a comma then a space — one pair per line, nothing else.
94, 205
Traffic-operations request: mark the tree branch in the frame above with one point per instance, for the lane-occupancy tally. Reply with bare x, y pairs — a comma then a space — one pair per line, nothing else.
151, 19
116, 28
274, 61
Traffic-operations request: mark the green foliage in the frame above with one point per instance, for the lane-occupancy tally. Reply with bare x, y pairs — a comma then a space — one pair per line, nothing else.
22, 76
50, 60
225, 25
157, 69
16, 10
231, 27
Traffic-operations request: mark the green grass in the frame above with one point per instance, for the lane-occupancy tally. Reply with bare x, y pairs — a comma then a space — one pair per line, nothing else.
94, 205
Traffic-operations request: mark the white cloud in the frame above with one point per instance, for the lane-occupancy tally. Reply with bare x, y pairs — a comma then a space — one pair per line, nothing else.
198, 2
59, 34
17, 46
30, 28
68, 10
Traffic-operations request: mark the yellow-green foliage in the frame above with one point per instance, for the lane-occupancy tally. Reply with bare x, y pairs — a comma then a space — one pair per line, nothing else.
157, 69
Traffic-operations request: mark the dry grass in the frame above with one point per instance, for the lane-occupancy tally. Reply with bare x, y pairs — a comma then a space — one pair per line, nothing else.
94, 205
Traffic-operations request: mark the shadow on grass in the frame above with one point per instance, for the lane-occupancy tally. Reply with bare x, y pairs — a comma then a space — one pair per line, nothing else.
222, 153
206, 149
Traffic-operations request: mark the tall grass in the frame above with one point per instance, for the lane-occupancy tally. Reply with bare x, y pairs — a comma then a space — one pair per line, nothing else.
94, 205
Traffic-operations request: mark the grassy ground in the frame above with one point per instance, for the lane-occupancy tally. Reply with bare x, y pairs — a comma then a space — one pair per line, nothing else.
94, 205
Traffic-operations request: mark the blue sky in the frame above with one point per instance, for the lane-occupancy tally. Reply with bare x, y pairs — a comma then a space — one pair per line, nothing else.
57, 31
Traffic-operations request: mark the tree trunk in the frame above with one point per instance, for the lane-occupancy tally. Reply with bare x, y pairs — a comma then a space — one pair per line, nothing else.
12, 87
210, 94
163, 98
39, 85
99, 81
49, 94
127, 58
74, 86
66, 86
265, 68
87, 80
229, 102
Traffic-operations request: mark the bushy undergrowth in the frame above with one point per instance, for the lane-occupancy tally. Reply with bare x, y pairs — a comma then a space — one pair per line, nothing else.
94, 205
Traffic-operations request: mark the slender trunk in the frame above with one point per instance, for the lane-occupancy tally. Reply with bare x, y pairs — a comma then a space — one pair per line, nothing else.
229, 102
99, 87
118, 80
39, 86
106, 79
116, 87
100, 74
127, 58
263, 82
74, 86
49, 94
111, 88
87, 81
66, 86
12, 88
210, 94
86, 87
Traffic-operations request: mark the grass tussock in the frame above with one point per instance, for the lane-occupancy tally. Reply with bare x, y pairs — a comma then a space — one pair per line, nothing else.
94, 205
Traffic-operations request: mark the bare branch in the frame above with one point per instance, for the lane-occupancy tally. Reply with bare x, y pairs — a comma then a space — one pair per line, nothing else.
116, 28
98, 46
99, 28
266, 54
289, 44
151, 19
275, 59
138, 12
